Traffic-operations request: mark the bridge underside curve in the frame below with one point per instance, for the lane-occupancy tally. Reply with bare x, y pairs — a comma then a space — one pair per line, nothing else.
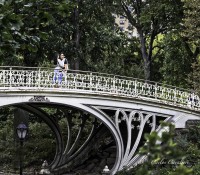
115, 128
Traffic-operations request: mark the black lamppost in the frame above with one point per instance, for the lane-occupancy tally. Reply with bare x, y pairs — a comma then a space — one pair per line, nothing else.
21, 133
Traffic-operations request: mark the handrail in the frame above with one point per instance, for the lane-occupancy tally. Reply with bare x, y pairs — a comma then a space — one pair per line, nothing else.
95, 82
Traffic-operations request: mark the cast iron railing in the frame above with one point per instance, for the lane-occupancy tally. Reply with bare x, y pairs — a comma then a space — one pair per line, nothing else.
93, 82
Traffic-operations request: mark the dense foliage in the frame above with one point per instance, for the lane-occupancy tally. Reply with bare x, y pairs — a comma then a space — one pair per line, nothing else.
32, 31
38, 146
192, 20
177, 154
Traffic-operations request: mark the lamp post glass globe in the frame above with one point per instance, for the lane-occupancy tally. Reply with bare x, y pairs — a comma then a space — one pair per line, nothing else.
21, 131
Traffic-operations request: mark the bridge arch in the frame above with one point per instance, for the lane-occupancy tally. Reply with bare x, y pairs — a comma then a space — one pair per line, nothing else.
100, 107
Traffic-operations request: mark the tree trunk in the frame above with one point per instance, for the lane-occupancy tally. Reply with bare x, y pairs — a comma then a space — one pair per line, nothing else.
145, 56
76, 37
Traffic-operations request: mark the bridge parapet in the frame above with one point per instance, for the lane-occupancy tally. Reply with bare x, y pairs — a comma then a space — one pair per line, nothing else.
100, 83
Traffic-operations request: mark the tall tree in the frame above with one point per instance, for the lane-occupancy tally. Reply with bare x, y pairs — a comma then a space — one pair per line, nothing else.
150, 18
25, 26
191, 20
191, 28
191, 34
177, 61
86, 19
100, 47
77, 33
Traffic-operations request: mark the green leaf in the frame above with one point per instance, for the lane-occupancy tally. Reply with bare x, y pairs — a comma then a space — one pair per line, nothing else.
43, 35
6, 35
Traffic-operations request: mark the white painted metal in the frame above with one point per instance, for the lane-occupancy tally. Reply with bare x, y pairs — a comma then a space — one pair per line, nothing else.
41, 79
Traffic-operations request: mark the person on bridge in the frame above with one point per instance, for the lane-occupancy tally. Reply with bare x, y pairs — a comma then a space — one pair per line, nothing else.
61, 67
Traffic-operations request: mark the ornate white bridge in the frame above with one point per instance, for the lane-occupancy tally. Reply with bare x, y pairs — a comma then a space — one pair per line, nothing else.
124, 106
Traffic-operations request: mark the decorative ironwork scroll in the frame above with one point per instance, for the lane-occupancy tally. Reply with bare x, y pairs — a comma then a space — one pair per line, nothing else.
132, 125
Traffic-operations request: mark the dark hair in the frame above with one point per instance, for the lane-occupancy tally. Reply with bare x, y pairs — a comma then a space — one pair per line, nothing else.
56, 55
60, 54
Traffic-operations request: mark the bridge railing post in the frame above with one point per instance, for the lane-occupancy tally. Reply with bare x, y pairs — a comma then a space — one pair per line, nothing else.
156, 91
90, 81
175, 96
135, 89
39, 77
114, 88
10, 76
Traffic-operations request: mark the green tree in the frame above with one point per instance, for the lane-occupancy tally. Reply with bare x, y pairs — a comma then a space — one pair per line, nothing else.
177, 63
7, 143
188, 141
95, 45
191, 33
25, 26
191, 20
38, 146
151, 18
